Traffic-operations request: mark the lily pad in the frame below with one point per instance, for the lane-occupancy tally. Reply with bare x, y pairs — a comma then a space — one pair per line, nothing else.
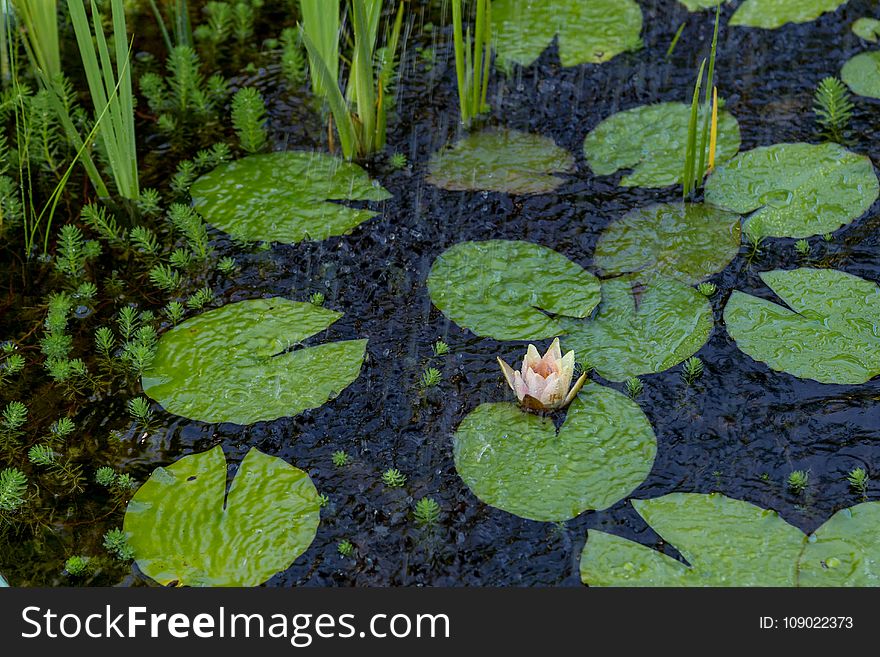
516, 461
285, 197
830, 334
699, 5
795, 190
240, 364
770, 14
590, 31
641, 327
651, 140
684, 241
867, 29
500, 160
728, 542
862, 74
510, 290
186, 531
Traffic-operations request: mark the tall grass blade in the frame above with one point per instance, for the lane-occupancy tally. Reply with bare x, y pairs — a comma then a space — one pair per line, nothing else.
320, 20
40, 20
690, 159
701, 172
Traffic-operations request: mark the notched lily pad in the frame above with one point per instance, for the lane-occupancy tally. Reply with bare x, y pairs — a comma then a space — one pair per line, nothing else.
186, 531
510, 290
867, 29
516, 461
829, 332
240, 364
500, 160
651, 140
684, 241
728, 542
795, 190
862, 74
590, 31
288, 196
770, 14
641, 327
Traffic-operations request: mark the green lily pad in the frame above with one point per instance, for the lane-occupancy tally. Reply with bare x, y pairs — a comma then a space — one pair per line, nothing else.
641, 327
770, 14
590, 31
510, 290
684, 241
867, 29
500, 160
651, 140
728, 542
830, 334
516, 461
238, 363
862, 74
285, 197
795, 190
699, 5
186, 531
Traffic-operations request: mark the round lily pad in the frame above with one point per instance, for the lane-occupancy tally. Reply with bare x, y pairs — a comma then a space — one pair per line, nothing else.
240, 363
862, 74
699, 5
500, 160
651, 140
684, 241
795, 190
510, 290
770, 14
641, 327
288, 196
186, 531
728, 542
590, 31
867, 29
516, 461
829, 334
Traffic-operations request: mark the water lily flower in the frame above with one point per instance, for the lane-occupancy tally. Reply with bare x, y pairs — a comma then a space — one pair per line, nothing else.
544, 381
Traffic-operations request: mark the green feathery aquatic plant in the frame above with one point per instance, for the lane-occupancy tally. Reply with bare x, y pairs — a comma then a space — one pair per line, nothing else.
832, 107
472, 59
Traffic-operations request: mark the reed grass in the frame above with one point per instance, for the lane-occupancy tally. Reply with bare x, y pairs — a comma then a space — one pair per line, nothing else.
40, 20
321, 22
472, 59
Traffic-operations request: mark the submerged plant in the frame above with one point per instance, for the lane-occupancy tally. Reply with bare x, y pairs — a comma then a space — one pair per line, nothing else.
707, 289
226, 265
13, 486
105, 476
472, 59
430, 377
393, 478
340, 459
140, 411
316, 299
798, 481
833, 107
116, 543
249, 118
544, 382
634, 387
858, 480
426, 512
440, 348
802, 247
77, 566
397, 161
345, 548
692, 370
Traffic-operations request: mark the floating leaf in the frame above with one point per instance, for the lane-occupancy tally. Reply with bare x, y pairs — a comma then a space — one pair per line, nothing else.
510, 290
795, 190
590, 31
867, 29
239, 363
651, 140
684, 241
641, 328
728, 542
830, 334
862, 74
770, 14
186, 531
699, 5
285, 196
500, 160
516, 461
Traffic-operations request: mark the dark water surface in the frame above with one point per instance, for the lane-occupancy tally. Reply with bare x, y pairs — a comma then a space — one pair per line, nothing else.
741, 429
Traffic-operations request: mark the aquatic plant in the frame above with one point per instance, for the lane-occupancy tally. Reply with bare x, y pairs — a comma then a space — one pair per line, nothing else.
397, 161
544, 382
426, 512
248, 119
110, 89
802, 247
797, 481
316, 299
440, 348
116, 543
293, 60
472, 59
40, 21
832, 107
226, 265
140, 411
320, 21
64, 471
13, 486
858, 480
692, 370
707, 289
105, 476
361, 114
345, 548
340, 459
633, 386
430, 377
393, 478
178, 17
78, 565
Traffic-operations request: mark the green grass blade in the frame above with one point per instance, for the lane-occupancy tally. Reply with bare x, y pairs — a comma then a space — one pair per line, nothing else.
690, 152
460, 72
701, 171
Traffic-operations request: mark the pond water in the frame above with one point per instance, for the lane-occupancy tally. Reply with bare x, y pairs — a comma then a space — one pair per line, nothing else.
740, 429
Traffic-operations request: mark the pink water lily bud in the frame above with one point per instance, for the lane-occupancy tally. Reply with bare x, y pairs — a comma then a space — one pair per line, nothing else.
544, 382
